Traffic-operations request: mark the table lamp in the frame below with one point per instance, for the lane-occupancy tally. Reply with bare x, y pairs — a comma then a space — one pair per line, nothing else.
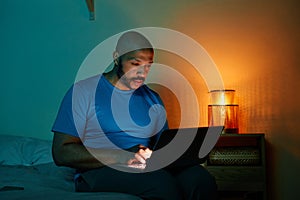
223, 110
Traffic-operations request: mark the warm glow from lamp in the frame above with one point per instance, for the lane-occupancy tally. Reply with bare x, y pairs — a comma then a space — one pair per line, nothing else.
223, 110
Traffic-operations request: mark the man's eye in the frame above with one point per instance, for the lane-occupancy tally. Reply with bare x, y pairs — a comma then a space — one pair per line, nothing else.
135, 64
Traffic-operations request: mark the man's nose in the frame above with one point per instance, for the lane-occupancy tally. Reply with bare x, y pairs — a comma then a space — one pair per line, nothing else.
141, 69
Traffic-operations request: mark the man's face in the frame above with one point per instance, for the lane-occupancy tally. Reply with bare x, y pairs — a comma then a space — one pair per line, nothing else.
135, 66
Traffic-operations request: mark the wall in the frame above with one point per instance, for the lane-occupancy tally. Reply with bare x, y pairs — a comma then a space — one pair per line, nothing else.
255, 45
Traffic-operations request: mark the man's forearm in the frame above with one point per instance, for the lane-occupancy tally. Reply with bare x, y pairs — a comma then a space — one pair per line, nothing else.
79, 157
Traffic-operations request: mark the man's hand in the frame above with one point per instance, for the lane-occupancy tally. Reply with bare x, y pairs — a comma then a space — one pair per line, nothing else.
142, 154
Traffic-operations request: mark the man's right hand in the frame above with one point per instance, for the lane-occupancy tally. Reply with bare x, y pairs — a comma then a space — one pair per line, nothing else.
141, 155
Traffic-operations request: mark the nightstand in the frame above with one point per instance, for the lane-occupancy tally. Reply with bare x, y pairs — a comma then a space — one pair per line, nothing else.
238, 163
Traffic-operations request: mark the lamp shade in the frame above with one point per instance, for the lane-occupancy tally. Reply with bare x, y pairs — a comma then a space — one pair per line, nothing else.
223, 110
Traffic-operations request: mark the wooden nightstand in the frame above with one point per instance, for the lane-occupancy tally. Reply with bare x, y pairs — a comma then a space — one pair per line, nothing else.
238, 164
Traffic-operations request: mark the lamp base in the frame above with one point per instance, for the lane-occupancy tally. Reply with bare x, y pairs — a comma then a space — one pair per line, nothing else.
224, 115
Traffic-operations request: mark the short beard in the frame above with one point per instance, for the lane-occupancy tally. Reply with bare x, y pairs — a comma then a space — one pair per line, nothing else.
120, 73
119, 66
122, 77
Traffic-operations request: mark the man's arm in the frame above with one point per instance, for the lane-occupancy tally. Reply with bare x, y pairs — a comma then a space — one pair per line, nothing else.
69, 151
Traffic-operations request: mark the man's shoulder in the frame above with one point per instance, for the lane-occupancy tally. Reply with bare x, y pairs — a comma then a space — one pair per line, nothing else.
151, 93
89, 81
148, 89
88, 85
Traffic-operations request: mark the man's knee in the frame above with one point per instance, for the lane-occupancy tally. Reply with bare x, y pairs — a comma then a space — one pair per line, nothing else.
163, 187
198, 183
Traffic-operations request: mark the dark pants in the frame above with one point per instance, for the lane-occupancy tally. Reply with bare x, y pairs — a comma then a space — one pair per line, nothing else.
193, 183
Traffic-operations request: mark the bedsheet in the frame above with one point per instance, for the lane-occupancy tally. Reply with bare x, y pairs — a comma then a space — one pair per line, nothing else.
27, 172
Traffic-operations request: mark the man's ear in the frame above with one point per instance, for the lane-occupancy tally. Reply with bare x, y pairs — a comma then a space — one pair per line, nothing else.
116, 57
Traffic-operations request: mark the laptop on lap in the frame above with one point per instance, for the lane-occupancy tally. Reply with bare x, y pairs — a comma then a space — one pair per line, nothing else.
180, 148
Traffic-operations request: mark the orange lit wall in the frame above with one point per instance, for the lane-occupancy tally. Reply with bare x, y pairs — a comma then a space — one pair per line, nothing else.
255, 45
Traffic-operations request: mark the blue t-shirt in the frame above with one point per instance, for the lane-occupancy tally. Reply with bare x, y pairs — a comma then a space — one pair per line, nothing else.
105, 117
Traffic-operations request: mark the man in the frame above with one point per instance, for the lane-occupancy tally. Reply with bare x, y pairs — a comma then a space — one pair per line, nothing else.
113, 119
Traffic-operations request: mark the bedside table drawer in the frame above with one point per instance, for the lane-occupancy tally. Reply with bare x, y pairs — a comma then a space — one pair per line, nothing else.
237, 173
238, 164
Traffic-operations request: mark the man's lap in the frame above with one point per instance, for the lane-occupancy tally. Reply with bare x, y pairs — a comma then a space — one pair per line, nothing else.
151, 185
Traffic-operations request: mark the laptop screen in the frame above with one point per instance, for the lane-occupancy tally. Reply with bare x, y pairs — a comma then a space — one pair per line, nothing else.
185, 146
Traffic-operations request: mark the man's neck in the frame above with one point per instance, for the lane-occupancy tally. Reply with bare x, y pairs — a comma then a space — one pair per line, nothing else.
112, 77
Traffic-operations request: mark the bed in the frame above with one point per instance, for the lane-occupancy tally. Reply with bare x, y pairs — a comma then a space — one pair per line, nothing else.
27, 171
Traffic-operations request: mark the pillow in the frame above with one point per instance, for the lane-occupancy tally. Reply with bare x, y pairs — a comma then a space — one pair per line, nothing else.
20, 150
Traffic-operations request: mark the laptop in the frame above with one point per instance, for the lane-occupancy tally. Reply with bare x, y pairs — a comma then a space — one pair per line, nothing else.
180, 148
